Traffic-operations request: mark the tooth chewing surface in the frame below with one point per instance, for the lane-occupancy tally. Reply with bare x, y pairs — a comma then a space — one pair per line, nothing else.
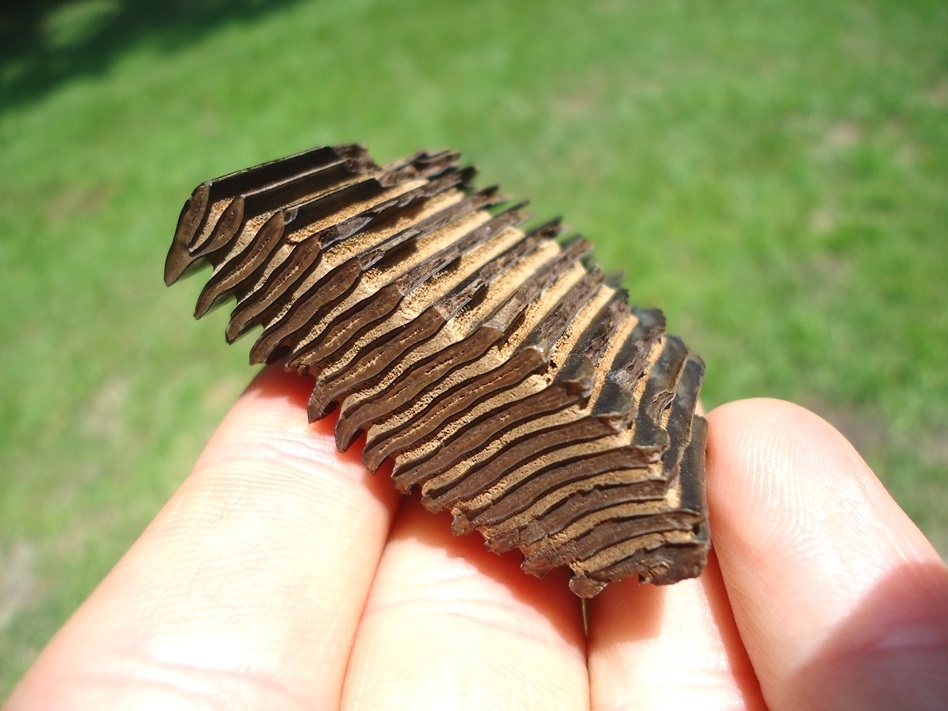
497, 368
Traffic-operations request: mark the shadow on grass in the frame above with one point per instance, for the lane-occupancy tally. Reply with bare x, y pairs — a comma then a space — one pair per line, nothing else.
45, 43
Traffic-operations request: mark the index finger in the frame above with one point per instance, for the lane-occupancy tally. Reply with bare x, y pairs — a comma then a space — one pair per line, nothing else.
246, 590
839, 598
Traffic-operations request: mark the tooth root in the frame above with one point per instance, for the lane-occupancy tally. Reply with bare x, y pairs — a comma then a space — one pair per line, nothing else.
496, 367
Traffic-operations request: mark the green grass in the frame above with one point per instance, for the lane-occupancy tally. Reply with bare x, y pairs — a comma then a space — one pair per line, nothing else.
774, 176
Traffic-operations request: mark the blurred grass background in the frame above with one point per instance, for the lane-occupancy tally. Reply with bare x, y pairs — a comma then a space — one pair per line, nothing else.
773, 175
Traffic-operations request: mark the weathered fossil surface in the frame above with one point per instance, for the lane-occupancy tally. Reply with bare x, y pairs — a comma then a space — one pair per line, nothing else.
497, 367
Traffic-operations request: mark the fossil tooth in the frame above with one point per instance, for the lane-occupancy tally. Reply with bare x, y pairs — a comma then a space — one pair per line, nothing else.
496, 367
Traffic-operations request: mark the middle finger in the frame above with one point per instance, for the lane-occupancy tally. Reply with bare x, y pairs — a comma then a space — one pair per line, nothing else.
448, 624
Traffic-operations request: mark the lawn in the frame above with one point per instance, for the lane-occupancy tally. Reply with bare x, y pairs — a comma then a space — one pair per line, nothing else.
774, 176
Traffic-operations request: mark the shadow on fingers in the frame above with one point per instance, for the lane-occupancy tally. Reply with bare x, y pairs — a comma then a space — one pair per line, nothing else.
891, 653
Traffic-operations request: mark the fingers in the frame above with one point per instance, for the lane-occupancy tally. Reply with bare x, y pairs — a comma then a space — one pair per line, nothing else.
449, 625
840, 600
669, 647
246, 590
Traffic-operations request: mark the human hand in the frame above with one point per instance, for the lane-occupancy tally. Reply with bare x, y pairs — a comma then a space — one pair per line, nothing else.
282, 575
